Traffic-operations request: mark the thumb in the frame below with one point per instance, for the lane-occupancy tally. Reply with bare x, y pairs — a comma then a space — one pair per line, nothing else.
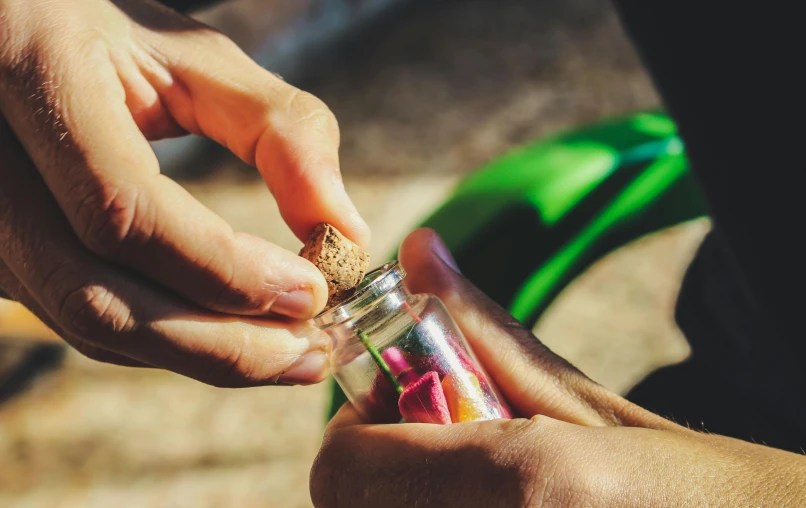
531, 377
490, 463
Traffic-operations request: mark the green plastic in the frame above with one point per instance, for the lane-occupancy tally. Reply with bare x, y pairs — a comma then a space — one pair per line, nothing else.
579, 195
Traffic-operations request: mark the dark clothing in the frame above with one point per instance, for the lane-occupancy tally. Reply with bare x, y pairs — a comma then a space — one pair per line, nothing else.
731, 79
729, 76
187, 5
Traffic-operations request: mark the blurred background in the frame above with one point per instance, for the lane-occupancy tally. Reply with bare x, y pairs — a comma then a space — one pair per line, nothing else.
425, 93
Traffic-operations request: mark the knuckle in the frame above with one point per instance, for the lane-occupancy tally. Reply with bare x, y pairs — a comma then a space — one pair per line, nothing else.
218, 40
520, 438
555, 473
230, 364
313, 112
532, 475
110, 221
301, 130
227, 370
222, 294
93, 312
300, 101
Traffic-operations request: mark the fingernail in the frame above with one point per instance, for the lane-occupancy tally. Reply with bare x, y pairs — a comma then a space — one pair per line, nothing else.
441, 250
297, 304
309, 368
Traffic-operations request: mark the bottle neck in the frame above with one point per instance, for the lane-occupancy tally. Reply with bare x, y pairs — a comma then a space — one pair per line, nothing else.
381, 288
370, 328
374, 311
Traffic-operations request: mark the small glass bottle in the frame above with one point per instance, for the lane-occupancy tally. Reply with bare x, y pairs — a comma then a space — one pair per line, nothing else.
401, 357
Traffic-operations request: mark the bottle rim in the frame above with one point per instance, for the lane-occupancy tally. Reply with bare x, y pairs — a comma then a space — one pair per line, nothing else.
375, 285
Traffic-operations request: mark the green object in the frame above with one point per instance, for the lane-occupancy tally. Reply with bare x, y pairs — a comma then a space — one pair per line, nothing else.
379, 361
544, 213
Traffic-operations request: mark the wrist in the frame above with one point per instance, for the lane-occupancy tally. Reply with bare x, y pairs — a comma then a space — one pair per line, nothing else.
694, 469
765, 476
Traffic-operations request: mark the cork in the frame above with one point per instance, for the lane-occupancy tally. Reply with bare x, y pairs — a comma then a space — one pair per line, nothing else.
342, 262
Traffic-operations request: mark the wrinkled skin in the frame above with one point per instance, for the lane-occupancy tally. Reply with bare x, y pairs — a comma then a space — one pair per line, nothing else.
119, 260
577, 444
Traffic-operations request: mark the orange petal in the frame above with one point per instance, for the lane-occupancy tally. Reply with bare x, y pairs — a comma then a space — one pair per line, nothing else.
466, 400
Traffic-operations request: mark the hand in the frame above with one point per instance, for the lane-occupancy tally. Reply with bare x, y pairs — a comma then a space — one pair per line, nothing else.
119, 260
582, 445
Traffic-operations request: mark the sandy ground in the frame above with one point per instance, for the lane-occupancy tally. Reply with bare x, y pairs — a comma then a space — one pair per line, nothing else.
431, 94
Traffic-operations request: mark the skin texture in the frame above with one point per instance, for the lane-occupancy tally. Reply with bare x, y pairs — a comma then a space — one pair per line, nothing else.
578, 444
121, 261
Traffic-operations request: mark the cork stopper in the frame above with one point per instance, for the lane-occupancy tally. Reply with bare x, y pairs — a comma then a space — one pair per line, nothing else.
342, 262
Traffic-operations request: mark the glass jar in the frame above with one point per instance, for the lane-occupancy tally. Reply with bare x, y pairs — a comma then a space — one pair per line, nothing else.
401, 357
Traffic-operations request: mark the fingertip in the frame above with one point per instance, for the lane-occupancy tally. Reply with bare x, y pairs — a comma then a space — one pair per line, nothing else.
414, 250
307, 295
297, 304
270, 281
310, 368
422, 257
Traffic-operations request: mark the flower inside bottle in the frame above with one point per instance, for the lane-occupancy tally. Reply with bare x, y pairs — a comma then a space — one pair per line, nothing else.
401, 357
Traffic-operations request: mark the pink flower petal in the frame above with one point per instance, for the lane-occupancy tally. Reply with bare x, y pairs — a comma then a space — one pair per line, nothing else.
395, 360
423, 401
436, 363
407, 377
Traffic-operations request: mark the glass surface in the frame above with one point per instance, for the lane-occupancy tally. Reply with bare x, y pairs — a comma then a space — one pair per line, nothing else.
401, 357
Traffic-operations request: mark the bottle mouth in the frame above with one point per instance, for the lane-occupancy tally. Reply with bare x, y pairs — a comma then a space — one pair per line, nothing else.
376, 284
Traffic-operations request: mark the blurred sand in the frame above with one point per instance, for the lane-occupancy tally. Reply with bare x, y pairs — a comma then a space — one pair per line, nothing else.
427, 97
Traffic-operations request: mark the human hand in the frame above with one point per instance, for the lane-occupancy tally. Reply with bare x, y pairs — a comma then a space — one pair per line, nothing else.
121, 261
581, 444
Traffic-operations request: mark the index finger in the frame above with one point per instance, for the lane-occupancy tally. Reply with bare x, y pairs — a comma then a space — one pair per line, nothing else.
290, 135
105, 177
